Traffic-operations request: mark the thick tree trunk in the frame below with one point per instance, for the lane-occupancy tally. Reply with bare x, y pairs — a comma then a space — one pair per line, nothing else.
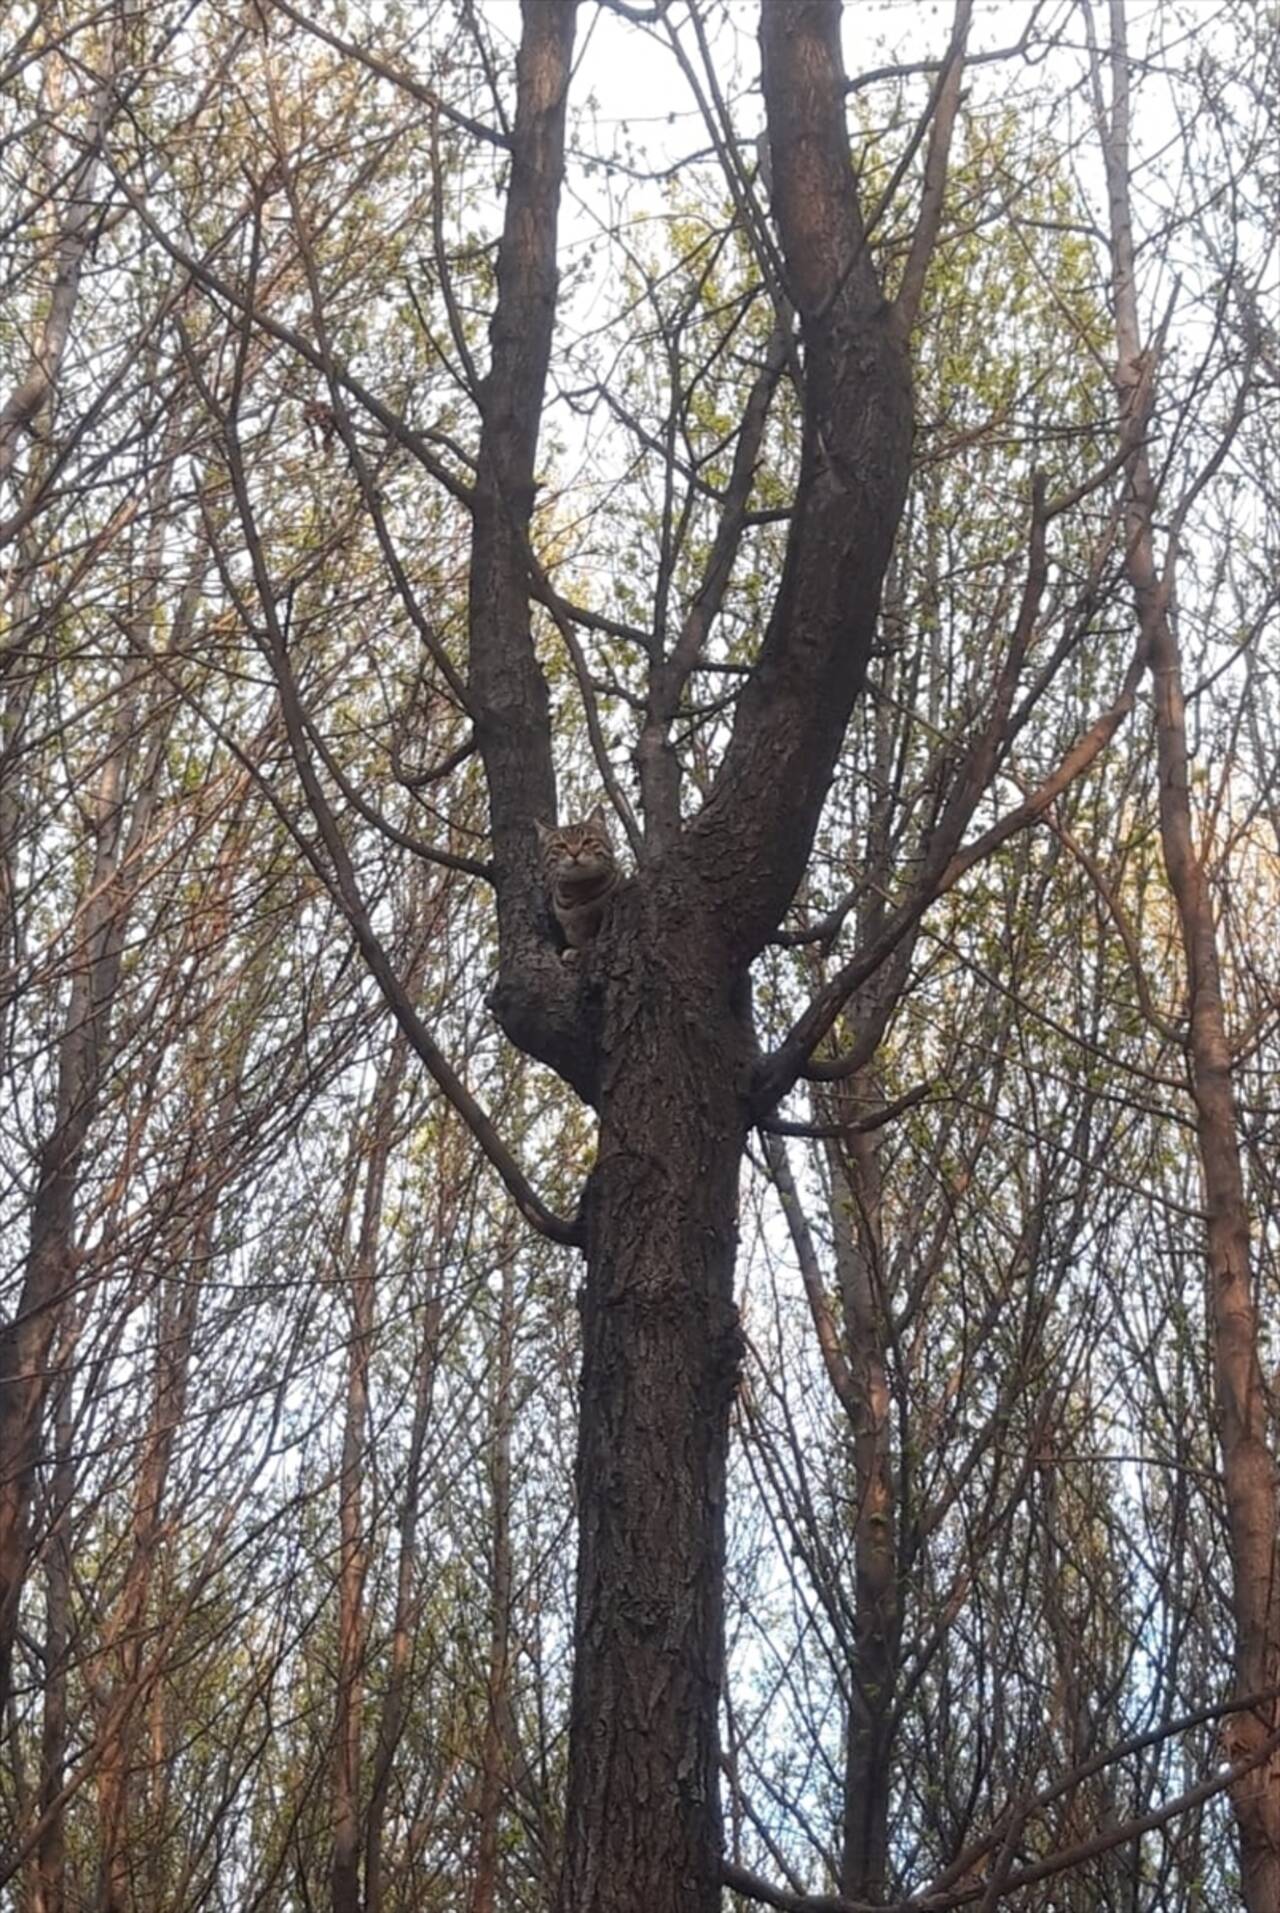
646, 1028
660, 1363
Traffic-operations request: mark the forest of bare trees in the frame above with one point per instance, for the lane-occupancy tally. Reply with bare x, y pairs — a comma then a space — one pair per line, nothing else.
777, 1406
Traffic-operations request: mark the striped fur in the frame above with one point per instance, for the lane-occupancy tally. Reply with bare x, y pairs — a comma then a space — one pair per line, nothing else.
581, 874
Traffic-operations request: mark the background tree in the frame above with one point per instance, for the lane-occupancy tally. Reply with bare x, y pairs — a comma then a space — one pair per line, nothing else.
410, 446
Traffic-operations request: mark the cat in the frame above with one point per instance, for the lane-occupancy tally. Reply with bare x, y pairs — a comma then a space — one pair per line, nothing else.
581, 875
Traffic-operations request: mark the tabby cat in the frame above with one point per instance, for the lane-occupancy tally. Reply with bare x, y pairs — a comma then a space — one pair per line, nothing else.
581, 874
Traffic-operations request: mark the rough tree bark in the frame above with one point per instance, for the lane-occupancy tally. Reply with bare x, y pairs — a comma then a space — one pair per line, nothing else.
654, 1026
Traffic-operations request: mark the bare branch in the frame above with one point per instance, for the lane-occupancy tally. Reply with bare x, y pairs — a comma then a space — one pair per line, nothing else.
340, 874
397, 76
929, 219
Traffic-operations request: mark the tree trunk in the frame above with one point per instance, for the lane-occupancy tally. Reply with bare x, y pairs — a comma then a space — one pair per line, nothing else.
344, 1870
395, 1701
484, 1892
660, 1363
1239, 1389
49, 1274
856, 1231
26, 1340
48, 1883
36, 389
124, 1687
119, 824
652, 1028
854, 1355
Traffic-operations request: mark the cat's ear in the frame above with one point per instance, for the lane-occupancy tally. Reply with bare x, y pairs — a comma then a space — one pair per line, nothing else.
544, 830
598, 820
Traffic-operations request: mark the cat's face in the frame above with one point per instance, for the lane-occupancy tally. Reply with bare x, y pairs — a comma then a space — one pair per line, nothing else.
576, 850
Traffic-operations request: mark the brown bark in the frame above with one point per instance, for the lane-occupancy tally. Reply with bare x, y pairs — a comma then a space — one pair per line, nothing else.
510, 702
50, 1268
853, 1349
752, 838
660, 1362
344, 1867
391, 1721
484, 1889
48, 1882
26, 1340
344, 1872
653, 1027
856, 1226
1239, 1390
119, 821
36, 389
125, 1678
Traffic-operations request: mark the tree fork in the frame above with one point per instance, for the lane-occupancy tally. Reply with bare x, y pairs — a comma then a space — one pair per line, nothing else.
653, 1025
